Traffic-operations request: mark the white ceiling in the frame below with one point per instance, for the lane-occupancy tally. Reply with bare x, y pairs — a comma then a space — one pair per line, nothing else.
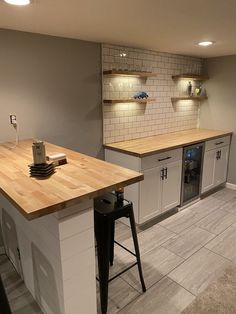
163, 25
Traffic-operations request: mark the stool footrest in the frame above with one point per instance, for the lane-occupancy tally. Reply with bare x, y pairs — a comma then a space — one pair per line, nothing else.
123, 271
120, 273
125, 248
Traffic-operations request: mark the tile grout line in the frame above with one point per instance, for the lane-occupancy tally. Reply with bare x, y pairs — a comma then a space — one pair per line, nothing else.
227, 259
166, 276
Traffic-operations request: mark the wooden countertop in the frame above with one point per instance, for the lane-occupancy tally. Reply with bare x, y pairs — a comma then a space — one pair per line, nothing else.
155, 144
83, 178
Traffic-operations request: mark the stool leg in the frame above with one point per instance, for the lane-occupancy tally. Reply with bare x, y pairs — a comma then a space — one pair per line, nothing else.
102, 233
136, 247
112, 242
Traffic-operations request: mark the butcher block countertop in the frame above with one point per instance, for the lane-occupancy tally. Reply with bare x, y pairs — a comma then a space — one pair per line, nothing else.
159, 143
83, 178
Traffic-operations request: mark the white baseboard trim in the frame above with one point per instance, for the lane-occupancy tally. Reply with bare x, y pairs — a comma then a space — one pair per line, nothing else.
231, 186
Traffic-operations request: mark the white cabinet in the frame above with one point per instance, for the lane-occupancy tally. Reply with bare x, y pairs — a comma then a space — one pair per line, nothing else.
150, 194
221, 165
208, 170
171, 185
214, 167
160, 190
161, 187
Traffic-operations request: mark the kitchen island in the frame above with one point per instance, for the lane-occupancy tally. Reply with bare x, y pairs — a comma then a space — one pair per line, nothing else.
48, 224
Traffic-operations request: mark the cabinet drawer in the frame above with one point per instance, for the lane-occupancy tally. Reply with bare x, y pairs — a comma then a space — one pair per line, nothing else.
217, 143
161, 158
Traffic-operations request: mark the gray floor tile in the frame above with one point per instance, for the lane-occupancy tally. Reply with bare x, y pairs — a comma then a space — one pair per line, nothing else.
13, 285
225, 194
155, 264
181, 221
206, 206
188, 242
217, 221
165, 297
225, 244
122, 232
20, 299
5, 264
230, 206
122, 259
120, 294
25, 304
150, 238
197, 272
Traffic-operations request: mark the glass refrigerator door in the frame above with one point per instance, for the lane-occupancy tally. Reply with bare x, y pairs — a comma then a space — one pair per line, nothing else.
192, 173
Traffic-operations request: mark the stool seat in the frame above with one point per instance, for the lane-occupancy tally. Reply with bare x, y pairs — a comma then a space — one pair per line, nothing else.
107, 205
107, 209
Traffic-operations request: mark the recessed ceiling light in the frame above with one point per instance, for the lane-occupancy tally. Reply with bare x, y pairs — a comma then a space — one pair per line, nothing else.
18, 2
205, 43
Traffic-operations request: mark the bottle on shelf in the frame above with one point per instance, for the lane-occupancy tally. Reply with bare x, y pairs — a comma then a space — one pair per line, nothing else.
189, 88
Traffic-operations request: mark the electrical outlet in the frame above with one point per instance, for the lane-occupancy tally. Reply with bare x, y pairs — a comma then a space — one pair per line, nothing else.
13, 119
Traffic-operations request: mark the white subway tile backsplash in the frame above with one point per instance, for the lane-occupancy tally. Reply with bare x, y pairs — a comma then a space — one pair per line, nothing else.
126, 121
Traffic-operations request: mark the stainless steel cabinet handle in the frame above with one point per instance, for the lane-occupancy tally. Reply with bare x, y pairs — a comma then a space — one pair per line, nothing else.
164, 158
218, 143
220, 154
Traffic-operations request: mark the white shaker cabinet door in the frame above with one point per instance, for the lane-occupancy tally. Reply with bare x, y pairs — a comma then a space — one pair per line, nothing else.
150, 194
171, 185
208, 173
221, 165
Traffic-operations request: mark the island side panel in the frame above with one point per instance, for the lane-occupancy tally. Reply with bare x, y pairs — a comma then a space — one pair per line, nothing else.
57, 256
77, 248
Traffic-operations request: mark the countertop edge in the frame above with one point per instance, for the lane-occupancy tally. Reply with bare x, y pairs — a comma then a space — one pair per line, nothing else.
128, 152
71, 202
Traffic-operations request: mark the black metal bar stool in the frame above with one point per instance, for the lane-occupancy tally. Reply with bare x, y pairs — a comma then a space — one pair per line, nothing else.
107, 209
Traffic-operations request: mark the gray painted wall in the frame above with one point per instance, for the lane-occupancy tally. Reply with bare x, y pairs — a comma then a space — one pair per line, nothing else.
219, 112
53, 85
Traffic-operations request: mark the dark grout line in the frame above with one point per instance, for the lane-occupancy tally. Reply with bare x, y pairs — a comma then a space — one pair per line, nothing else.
182, 286
227, 259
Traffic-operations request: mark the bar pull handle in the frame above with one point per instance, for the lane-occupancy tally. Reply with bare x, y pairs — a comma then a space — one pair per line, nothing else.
218, 154
162, 174
218, 143
164, 158
166, 173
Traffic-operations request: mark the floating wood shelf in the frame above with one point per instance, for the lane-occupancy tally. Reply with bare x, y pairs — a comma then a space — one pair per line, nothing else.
193, 77
141, 101
189, 98
128, 73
